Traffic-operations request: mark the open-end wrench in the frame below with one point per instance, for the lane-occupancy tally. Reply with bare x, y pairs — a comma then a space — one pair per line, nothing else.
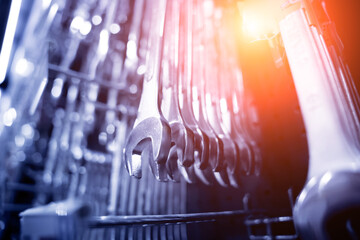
236, 99
212, 102
242, 131
150, 127
198, 97
201, 140
334, 166
231, 74
134, 192
181, 154
243, 152
229, 147
249, 152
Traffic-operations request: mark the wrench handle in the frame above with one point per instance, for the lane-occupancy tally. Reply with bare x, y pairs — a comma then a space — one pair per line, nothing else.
149, 102
327, 122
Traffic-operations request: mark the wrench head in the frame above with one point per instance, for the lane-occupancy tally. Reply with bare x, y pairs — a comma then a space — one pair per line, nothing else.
201, 149
230, 154
152, 132
206, 150
242, 164
183, 138
172, 165
205, 175
222, 178
327, 204
184, 142
215, 146
176, 169
245, 157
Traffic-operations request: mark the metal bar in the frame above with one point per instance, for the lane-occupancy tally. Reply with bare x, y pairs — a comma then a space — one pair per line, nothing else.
123, 89
280, 237
121, 108
111, 221
268, 220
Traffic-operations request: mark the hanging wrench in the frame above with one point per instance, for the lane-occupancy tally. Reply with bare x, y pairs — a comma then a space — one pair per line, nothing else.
240, 125
249, 151
212, 101
198, 99
242, 161
231, 73
150, 126
201, 140
181, 154
334, 166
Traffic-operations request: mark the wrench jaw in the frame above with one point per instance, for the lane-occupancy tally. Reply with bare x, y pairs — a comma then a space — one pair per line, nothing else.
181, 156
230, 157
249, 152
250, 147
159, 170
206, 176
257, 161
203, 148
201, 156
153, 132
172, 165
215, 154
217, 161
211, 162
337, 192
184, 142
245, 164
176, 170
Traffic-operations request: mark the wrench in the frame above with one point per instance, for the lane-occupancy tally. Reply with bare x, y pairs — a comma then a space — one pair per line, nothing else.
231, 74
181, 154
334, 169
150, 127
240, 127
201, 140
212, 101
247, 146
198, 97
243, 153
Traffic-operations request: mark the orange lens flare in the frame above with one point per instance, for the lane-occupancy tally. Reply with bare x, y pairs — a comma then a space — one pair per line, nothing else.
260, 18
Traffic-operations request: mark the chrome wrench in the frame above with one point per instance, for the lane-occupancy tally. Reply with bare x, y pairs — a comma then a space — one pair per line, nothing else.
212, 101
334, 167
198, 99
201, 140
181, 154
150, 126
